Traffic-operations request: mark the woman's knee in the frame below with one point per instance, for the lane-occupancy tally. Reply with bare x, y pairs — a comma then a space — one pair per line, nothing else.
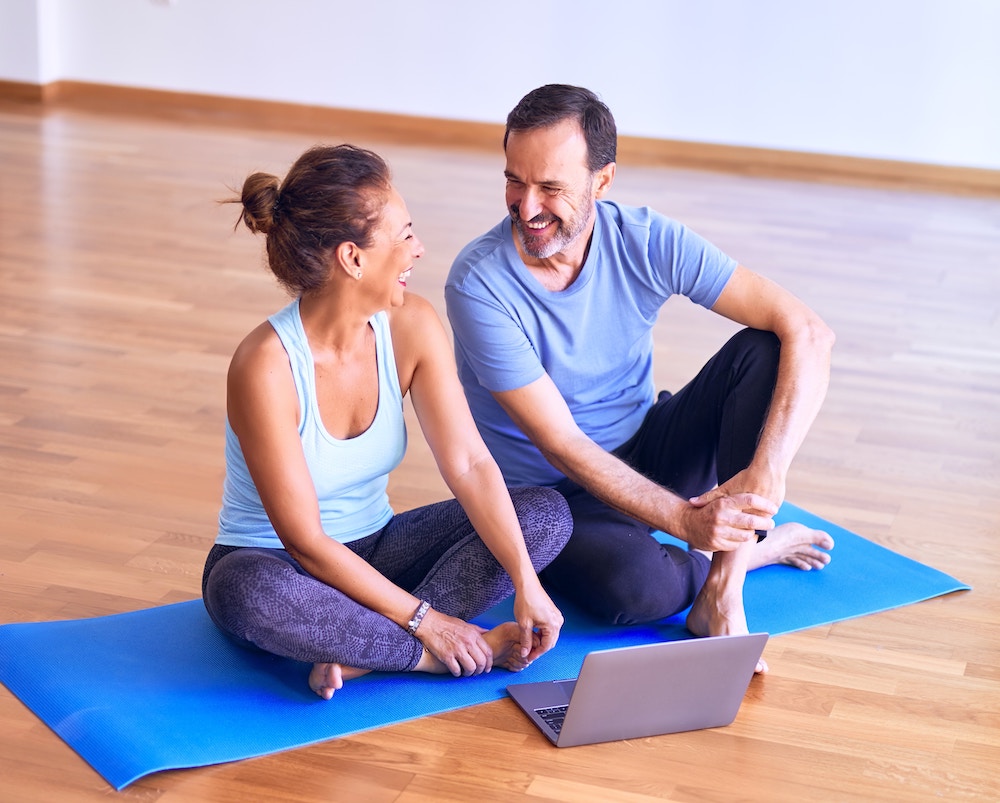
240, 582
545, 519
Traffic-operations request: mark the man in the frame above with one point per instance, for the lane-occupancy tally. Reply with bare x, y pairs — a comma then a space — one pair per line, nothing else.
552, 312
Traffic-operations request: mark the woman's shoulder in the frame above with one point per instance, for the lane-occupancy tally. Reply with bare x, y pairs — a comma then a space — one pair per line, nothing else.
259, 349
418, 336
415, 312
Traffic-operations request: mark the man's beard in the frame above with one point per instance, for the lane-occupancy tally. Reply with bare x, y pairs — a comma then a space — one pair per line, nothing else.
566, 233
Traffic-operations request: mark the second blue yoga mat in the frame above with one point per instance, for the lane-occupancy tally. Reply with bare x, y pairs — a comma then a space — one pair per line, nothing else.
161, 689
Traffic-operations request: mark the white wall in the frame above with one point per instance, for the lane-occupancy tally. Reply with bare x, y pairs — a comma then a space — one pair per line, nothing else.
915, 80
21, 55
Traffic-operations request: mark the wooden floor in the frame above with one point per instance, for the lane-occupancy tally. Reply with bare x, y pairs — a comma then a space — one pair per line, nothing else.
124, 289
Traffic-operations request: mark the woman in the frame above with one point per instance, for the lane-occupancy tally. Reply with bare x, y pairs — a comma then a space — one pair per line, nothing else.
310, 561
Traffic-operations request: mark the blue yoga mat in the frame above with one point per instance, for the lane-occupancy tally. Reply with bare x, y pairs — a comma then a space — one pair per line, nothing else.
162, 689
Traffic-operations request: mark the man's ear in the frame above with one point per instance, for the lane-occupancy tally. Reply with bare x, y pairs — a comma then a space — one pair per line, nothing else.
603, 179
348, 257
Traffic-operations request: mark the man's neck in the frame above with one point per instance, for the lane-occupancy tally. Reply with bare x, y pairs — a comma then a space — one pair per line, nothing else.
559, 271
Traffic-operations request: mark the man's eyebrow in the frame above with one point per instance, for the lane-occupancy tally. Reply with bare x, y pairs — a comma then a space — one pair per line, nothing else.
544, 182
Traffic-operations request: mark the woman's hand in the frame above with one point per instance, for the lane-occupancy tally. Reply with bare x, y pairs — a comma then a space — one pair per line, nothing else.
458, 645
538, 619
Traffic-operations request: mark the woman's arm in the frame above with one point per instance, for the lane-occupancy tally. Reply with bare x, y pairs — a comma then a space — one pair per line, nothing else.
468, 468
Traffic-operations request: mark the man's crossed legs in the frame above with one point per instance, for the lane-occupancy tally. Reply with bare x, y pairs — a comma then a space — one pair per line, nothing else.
690, 442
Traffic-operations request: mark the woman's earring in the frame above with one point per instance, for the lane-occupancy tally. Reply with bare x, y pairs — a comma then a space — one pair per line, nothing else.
358, 274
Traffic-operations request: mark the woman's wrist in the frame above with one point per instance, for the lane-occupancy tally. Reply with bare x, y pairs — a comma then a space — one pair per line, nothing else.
418, 617
524, 577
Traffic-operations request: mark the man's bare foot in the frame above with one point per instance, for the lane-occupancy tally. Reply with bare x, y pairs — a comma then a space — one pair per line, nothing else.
718, 608
716, 613
325, 679
792, 544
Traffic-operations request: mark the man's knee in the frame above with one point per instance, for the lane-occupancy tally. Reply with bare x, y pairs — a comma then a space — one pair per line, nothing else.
633, 597
758, 347
644, 582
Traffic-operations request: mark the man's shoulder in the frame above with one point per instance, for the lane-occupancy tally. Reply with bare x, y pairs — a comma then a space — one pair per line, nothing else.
486, 247
624, 217
636, 233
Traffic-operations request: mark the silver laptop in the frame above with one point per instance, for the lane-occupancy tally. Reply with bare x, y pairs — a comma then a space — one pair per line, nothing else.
647, 690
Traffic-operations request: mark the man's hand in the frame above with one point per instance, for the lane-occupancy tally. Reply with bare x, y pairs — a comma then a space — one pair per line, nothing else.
722, 523
751, 480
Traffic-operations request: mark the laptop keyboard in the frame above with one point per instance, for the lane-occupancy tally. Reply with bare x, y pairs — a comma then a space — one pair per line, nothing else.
553, 717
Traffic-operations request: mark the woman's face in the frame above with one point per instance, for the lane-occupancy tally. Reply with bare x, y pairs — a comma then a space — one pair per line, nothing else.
391, 256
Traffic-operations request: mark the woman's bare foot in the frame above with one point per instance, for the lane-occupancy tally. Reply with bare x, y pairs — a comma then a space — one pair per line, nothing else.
325, 679
792, 544
505, 640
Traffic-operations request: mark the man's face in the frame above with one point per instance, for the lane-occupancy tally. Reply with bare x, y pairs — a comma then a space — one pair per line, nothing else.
551, 192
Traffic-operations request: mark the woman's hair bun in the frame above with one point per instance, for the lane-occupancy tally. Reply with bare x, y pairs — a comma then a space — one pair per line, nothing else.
260, 202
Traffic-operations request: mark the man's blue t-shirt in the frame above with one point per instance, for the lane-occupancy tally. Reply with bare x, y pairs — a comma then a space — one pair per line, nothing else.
594, 339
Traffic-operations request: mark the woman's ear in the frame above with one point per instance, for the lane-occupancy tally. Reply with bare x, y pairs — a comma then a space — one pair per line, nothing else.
348, 258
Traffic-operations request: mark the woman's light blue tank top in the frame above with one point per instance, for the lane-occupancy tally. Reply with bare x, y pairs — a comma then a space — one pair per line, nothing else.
350, 475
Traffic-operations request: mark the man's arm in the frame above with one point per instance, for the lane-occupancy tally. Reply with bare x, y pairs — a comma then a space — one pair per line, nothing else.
803, 376
721, 525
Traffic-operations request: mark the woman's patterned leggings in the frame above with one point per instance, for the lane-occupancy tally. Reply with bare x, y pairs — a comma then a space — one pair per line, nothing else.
264, 598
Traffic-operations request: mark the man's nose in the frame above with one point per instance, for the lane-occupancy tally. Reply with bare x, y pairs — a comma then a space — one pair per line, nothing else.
529, 204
